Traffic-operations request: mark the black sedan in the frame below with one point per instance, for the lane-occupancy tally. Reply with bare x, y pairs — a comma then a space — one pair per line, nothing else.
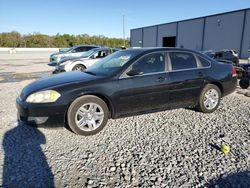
127, 83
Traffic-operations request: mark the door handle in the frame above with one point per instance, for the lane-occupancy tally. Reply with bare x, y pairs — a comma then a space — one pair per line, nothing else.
160, 79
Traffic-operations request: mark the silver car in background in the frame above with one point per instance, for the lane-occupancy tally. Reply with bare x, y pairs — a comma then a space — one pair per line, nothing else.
75, 51
81, 63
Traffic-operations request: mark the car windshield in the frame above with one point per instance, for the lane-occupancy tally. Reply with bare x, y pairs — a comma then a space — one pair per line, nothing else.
68, 50
112, 63
209, 54
88, 53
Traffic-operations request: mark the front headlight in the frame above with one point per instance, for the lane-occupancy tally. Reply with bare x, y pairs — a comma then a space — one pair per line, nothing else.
46, 96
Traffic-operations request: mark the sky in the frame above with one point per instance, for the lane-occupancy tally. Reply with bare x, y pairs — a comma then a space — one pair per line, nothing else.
97, 17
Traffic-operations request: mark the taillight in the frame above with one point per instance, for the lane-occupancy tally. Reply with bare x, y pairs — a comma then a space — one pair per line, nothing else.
234, 71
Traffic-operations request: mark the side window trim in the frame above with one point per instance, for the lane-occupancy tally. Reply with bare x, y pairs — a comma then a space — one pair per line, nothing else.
123, 75
199, 64
168, 62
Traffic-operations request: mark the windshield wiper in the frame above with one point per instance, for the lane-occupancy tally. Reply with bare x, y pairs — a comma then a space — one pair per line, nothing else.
88, 72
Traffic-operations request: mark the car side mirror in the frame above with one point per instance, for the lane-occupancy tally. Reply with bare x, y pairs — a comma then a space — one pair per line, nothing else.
92, 57
134, 72
73, 51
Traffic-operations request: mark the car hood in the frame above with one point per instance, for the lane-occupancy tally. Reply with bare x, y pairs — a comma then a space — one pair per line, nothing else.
59, 79
55, 54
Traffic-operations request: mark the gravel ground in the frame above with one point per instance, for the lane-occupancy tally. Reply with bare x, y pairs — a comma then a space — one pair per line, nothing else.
177, 148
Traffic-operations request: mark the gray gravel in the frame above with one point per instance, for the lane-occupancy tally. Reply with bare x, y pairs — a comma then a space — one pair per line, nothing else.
177, 148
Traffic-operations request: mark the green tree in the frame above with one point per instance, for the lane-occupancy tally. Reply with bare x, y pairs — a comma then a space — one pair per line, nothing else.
15, 39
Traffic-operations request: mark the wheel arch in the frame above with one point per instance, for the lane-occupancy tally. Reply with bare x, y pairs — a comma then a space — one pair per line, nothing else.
106, 100
78, 63
219, 85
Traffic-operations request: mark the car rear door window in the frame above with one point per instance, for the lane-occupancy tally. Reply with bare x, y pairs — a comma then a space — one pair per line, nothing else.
87, 48
151, 63
182, 60
83, 48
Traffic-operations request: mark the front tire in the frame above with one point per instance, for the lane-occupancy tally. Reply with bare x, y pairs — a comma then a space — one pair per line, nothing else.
209, 99
87, 115
79, 68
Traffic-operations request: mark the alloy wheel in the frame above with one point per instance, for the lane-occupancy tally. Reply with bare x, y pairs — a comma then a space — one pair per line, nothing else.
89, 116
211, 99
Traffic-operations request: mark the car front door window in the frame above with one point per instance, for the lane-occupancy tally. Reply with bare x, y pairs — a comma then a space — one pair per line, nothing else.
80, 49
151, 63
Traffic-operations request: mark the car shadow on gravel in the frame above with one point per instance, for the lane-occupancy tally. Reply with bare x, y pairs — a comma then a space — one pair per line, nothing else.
239, 179
25, 164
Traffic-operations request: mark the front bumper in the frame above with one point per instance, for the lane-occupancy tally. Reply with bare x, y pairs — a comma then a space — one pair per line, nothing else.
55, 59
59, 69
41, 115
52, 63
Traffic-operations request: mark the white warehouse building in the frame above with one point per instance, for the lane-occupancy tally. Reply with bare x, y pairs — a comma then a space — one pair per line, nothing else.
230, 30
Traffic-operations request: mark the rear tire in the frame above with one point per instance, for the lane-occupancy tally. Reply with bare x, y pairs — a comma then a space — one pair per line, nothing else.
209, 99
244, 83
79, 68
87, 115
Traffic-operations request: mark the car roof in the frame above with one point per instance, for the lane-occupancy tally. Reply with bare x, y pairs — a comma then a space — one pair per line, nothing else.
99, 49
87, 46
152, 49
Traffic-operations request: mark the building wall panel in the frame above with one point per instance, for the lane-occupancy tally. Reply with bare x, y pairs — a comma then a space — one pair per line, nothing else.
149, 36
223, 31
166, 30
136, 37
190, 34
246, 37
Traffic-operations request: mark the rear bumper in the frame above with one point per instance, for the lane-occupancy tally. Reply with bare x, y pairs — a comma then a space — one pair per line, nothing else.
41, 115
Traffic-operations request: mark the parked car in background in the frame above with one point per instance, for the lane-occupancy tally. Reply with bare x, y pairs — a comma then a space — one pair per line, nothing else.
228, 55
209, 53
62, 50
118, 49
87, 59
126, 83
75, 51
